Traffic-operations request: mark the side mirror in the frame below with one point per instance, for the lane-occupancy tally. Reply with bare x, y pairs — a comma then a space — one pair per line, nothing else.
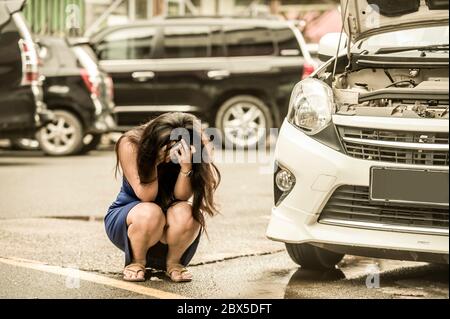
43, 53
328, 46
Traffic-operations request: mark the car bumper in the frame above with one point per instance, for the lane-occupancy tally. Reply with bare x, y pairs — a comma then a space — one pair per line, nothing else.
43, 115
104, 123
319, 171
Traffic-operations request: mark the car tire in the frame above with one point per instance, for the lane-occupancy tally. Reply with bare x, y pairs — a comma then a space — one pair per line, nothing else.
63, 137
92, 144
234, 118
313, 258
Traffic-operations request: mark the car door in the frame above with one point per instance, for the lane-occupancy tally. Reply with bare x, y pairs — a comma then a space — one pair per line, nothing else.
126, 54
190, 69
17, 104
251, 51
10, 58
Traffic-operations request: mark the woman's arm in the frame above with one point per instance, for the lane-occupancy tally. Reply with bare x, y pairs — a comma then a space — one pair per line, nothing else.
183, 187
128, 160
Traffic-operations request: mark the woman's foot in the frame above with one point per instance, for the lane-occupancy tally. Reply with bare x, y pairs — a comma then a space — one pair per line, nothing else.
178, 273
134, 273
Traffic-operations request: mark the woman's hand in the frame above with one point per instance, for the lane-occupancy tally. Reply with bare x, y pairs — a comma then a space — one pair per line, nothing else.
182, 154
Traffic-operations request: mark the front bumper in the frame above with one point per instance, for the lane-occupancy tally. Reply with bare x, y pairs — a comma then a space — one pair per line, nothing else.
319, 171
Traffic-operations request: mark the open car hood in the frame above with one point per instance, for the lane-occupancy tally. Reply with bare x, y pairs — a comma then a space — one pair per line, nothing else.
367, 17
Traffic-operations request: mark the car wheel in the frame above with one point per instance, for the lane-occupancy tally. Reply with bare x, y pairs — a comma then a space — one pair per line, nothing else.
244, 121
311, 257
63, 137
91, 142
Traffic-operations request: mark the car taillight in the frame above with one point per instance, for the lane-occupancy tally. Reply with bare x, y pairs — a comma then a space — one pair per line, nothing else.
308, 69
30, 67
91, 82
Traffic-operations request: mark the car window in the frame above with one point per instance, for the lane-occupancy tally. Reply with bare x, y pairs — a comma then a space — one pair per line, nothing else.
288, 44
186, 42
217, 42
127, 44
248, 41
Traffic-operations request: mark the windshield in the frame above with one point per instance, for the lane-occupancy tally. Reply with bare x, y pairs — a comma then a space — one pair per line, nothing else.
417, 37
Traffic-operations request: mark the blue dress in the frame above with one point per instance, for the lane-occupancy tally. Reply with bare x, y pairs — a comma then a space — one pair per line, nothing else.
117, 231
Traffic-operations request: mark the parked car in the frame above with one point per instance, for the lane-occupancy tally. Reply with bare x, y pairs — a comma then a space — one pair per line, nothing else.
22, 110
79, 93
235, 73
362, 157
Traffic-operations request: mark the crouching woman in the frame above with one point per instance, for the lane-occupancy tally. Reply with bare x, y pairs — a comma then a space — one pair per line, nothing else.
159, 214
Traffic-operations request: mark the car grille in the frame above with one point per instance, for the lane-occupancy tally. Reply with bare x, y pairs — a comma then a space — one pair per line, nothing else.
350, 205
417, 148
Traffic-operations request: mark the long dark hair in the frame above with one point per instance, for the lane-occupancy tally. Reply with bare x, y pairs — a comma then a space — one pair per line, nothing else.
150, 138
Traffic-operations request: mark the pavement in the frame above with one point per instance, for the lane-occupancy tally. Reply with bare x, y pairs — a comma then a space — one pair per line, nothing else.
53, 243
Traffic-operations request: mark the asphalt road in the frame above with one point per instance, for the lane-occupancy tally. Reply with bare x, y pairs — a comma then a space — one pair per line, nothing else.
52, 242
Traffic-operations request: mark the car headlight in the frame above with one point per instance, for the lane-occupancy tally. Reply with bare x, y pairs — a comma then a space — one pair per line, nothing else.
311, 106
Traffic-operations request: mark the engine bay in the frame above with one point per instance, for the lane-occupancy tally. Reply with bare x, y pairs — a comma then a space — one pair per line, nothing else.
401, 92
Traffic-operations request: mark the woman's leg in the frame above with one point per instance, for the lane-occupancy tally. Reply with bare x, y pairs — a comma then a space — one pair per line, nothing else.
146, 223
180, 234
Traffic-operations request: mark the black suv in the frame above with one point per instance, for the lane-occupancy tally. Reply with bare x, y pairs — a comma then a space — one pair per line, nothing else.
237, 74
22, 110
80, 95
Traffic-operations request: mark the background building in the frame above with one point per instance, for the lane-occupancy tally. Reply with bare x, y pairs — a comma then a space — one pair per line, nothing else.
80, 17
56, 16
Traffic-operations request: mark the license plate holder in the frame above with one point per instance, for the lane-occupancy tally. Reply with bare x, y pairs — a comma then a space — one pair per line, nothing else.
411, 186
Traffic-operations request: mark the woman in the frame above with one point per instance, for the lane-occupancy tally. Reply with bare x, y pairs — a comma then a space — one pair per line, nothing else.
159, 214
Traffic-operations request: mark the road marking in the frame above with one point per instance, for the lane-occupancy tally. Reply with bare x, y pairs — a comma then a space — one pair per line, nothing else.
90, 277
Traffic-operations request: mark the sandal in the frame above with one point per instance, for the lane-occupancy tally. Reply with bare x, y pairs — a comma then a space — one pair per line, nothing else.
185, 275
136, 269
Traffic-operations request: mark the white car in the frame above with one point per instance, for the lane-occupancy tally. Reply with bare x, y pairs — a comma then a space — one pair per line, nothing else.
362, 157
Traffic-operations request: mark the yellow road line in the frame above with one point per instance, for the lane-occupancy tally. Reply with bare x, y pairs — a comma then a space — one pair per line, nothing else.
90, 277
